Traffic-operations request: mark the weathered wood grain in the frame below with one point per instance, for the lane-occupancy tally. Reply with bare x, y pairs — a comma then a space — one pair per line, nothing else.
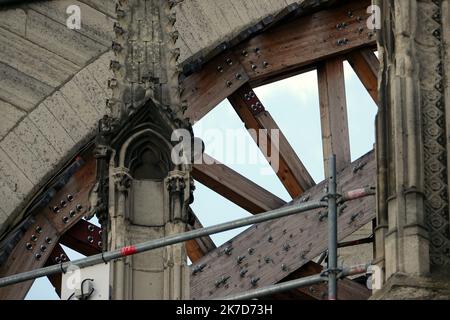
235, 187
291, 241
366, 66
287, 165
52, 226
333, 113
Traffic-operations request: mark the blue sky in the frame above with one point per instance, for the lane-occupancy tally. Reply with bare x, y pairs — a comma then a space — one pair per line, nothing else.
294, 105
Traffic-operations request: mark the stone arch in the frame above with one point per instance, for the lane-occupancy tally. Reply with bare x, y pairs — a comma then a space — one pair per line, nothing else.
37, 141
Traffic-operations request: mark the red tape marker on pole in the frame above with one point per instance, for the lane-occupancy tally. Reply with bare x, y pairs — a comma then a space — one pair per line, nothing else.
128, 251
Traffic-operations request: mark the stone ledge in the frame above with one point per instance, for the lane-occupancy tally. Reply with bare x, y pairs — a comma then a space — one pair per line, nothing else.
406, 287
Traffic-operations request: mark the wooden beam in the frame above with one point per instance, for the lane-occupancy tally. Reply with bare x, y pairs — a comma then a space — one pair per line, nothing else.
366, 66
84, 237
291, 241
217, 80
199, 247
291, 47
235, 187
289, 168
43, 235
282, 51
58, 255
333, 113
347, 289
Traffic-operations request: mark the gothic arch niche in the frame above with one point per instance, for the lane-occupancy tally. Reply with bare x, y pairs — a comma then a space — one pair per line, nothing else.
148, 158
146, 155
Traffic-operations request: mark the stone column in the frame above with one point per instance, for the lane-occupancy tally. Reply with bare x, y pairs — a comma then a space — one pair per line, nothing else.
413, 233
142, 193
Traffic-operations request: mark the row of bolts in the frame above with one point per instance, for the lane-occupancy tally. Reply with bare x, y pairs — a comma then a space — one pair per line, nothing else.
65, 219
254, 281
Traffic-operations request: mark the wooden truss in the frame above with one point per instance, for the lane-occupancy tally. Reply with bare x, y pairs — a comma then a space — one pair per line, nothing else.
274, 251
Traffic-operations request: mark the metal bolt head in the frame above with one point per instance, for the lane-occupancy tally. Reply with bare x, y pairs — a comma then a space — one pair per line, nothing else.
38, 256
118, 29
229, 83
69, 197
284, 267
63, 257
220, 69
48, 240
251, 251
79, 207
254, 281
228, 250
72, 213
65, 219
38, 229
91, 228
63, 204
229, 61
240, 259
99, 243
90, 239
43, 248
33, 238
238, 76
57, 259
254, 67
243, 272
265, 64
245, 53
29, 246
55, 209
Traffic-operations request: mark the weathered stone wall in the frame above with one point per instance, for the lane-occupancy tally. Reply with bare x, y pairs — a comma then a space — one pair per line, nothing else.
413, 233
53, 80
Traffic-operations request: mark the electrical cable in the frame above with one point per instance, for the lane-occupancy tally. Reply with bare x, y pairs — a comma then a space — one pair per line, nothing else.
82, 293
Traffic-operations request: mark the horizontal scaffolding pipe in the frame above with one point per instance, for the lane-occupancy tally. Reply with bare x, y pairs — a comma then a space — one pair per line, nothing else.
294, 284
159, 243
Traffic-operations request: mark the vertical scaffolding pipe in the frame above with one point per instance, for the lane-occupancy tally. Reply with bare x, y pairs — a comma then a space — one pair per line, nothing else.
332, 230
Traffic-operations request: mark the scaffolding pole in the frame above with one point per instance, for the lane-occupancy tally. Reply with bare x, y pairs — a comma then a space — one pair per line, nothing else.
332, 231
159, 243
294, 284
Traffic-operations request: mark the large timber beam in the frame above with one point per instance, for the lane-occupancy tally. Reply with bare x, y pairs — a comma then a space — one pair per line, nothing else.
199, 247
280, 52
67, 207
291, 171
348, 289
366, 66
235, 187
271, 251
333, 113
84, 237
